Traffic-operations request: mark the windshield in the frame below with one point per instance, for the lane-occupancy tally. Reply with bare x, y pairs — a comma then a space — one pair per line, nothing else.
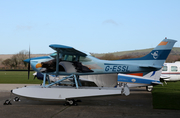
71, 57
53, 55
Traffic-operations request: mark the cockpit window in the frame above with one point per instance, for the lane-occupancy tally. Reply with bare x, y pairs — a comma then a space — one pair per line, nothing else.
164, 68
66, 57
70, 58
174, 68
84, 59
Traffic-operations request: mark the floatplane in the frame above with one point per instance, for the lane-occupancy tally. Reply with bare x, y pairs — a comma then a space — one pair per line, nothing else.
74, 65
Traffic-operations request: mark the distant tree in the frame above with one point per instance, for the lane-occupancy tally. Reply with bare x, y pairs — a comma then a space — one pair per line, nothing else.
17, 59
8, 62
21, 56
1, 60
14, 61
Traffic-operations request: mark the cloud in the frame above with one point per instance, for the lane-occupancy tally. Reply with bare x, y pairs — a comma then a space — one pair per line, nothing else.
21, 27
110, 21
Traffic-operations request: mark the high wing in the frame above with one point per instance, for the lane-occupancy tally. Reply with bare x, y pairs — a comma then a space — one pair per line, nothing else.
67, 50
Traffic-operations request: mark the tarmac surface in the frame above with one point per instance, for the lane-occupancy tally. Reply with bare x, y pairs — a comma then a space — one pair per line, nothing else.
137, 104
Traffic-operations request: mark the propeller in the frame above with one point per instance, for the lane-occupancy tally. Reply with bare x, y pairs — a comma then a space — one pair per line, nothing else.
29, 64
35, 75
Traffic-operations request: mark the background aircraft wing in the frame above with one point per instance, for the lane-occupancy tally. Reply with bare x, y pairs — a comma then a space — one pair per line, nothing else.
67, 50
136, 79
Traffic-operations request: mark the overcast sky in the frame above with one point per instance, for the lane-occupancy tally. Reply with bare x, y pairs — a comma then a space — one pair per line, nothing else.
96, 26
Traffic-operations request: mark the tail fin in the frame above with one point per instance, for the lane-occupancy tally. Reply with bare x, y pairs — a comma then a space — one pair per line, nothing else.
151, 78
154, 75
158, 55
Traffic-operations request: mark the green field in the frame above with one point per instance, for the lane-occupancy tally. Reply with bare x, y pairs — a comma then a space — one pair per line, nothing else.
18, 77
167, 96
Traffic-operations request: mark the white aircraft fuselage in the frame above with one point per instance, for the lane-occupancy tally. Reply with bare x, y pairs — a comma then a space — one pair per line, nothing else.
171, 71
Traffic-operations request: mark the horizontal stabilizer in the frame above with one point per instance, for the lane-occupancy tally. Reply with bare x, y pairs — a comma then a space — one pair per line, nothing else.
164, 77
148, 66
156, 83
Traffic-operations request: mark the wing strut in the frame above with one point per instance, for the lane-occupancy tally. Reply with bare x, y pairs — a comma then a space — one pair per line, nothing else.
57, 63
75, 77
44, 80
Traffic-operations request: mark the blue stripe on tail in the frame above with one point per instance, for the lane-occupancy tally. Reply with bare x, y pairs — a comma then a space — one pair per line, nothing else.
154, 55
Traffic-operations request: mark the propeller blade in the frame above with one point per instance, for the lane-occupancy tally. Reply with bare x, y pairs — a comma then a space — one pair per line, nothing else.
34, 76
28, 69
29, 63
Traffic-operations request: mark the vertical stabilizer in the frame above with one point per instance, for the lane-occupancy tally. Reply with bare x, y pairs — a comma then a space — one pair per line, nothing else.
154, 75
157, 56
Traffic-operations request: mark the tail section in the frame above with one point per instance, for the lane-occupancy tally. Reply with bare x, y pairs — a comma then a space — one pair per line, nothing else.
151, 78
161, 51
154, 75
157, 57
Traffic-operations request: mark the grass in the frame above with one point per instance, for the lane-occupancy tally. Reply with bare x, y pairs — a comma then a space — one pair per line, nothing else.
17, 77
167, 96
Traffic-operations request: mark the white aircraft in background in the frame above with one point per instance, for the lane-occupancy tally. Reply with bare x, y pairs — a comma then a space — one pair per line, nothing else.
171, 71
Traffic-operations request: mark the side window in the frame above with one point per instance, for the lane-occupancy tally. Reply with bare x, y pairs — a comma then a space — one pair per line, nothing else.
70, 58
164, 68
174, 68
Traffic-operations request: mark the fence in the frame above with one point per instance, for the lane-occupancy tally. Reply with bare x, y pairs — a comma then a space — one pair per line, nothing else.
13, 68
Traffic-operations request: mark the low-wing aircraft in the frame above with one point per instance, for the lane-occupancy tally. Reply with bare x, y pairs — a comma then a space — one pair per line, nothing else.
148, 80
171, 71
74, 63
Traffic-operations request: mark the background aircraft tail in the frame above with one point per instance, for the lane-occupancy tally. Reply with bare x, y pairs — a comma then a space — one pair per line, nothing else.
152, 78
154, 75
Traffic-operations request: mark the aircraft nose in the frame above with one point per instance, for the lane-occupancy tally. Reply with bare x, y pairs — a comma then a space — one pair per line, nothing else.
34, 65
38, 65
